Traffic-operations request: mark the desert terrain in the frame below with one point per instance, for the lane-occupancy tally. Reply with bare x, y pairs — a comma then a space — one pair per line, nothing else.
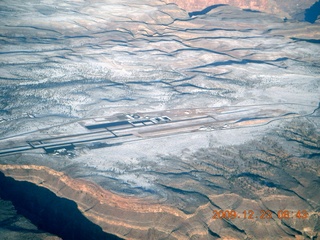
159, 119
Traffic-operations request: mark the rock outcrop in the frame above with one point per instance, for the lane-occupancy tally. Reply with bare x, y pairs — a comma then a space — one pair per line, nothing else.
290, 9
128, 217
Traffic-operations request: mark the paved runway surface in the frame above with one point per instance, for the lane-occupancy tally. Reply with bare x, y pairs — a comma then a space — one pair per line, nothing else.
118, 129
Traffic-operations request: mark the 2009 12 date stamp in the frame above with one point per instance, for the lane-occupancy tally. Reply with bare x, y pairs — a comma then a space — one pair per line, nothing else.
262, 214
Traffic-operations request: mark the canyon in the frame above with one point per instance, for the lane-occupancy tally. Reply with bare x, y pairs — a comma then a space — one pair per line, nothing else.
66, 64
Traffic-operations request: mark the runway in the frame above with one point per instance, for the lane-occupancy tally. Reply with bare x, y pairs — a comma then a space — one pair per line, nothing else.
121, 128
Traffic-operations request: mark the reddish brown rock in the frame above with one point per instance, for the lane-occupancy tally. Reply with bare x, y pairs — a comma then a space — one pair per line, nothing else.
123, 216
281, 8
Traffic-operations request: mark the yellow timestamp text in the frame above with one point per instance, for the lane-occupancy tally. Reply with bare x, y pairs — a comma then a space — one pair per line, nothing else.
262, 214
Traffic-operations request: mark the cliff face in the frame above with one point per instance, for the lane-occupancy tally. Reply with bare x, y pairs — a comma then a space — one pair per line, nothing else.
260, 176
294, 8
48, 211
77, 209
